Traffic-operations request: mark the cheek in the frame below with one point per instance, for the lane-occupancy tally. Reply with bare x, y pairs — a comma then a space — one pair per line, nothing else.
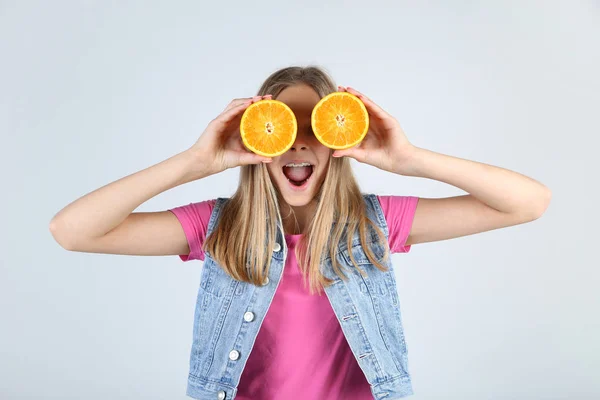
324, 160
271, 169
324, 154
273, 166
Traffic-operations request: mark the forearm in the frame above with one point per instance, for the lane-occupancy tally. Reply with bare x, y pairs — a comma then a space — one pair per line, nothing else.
504, 190
98, 212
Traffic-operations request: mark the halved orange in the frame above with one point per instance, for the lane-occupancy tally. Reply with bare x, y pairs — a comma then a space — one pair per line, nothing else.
340, 120
268, 128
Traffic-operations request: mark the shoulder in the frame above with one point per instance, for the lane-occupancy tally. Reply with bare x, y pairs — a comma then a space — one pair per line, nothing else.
393, 202
398, 209
195, 211
199, 204
399, 213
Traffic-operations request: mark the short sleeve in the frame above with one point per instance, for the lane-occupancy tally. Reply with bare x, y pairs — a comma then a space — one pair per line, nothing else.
399, 212
194, 219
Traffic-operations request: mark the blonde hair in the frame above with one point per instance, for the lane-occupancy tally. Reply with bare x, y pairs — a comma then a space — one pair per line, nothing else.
242, 243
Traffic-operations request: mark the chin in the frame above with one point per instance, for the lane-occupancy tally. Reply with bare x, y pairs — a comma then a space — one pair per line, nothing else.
299, 194
298, 200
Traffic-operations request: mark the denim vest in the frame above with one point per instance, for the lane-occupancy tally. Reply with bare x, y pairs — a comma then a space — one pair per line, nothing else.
229, 314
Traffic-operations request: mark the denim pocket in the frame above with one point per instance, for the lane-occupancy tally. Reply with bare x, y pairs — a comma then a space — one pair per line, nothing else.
216, 281
360, 255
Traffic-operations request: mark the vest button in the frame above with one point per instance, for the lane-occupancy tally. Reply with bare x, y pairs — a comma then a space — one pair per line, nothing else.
249, 316
276, 247
266, 281
221, 395
234, 355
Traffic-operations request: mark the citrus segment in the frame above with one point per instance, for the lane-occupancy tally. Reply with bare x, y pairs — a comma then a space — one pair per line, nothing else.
268, 128
340, 120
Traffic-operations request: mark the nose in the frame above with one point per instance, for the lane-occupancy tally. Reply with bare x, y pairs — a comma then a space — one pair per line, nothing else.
301, 142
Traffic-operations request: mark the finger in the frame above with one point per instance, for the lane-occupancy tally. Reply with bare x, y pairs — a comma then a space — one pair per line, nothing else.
353, 152
237, 102
228, 115
341, 89
373, 108
251, 158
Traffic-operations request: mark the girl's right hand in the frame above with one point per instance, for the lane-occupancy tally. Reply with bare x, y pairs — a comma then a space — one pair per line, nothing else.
220, 146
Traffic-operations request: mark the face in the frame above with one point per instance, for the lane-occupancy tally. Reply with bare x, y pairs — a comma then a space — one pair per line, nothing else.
300, 172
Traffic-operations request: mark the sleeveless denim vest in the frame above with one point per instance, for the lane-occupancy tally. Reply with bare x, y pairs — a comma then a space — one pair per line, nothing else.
229, 314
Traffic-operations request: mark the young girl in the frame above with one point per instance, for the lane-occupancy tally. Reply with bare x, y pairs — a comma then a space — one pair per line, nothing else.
297, 225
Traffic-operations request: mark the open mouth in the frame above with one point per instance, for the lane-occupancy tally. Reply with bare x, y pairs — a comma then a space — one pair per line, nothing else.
298, 173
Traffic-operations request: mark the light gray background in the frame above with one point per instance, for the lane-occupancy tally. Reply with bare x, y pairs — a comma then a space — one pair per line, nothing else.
92, 91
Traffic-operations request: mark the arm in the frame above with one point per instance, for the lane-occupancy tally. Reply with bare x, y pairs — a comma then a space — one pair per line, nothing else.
497, 197
103, 221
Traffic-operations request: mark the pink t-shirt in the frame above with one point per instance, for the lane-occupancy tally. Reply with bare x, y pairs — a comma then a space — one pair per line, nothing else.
323, 366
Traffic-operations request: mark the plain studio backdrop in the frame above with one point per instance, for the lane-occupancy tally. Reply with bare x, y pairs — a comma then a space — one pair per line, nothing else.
92, 91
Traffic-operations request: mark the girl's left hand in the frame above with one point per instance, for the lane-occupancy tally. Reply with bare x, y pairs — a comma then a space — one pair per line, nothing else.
385, 145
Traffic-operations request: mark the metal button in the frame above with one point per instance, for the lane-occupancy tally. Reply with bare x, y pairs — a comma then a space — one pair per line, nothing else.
221, 395
276, 246
249, 316
266, 281
234, 355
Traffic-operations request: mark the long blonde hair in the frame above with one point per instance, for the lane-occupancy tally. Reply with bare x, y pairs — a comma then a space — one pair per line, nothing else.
242, 242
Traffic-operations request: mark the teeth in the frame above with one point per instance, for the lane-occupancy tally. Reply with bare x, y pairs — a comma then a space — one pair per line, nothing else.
304, 164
